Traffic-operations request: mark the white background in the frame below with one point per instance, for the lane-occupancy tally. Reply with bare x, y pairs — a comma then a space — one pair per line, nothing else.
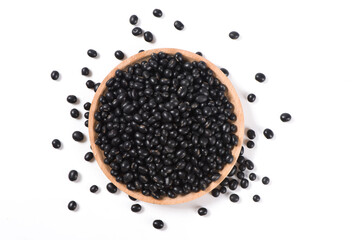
309, 51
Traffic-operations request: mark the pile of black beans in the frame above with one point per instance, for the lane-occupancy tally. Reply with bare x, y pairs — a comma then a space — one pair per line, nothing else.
166, 126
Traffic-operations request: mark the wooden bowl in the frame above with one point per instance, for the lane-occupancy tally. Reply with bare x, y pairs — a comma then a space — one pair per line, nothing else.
231, 94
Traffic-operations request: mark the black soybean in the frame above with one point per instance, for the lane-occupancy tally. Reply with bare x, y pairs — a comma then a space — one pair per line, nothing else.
251, 134
132, 199
268, 133
89, 156
215, 192
92, 53
78, 136
74, 113
71, 99
244, 183
85, 71
225, 71
72, 205
157, 13
136, 208
234, 35
94, 188
256, 198
55, 75
234, 197
250, 144
137, 31
223, 190
199, 53
111, 188
87, 106
260, 77
73, 175
56, 143
285, 117
133, 19
158, 224
179, 25
265, 180
90, 84
251, 97
86, 115
252, 176
202, 211
148, 36
119, 55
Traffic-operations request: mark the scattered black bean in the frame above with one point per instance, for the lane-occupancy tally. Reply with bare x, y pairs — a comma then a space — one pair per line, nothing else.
251, 97
86, 115
119, 55
244, 183
73, 175
202, 211
141, 51
252, 176
260, 77
86, 123
56, 143
234, 197
71, 99
265, 180
137, 31
136, 208
158, 224
199, 53
250, 144
268, 133
148, 36
256, 198
72, 205
178, 25
74, 113
87, 106
232, 172
285, 117
90, 84
133, 19
78, 136
92, 53
223, 190
55, 75
85, 71
234, 35
233, 184
225, 71
242, 151
132, 199
249, 164
96, 87
157, 13
111, 188
215, 192
94, 188
89, 156
251, 134
240, 175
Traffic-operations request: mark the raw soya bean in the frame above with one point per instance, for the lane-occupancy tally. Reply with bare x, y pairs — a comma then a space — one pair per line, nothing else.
96, 86
119, 55
199, 53
56, 143
73, 175
223, 190
86, 123
78, 136
250, 144
158, 224
260, 77
94, 188
157, 13
55, 75
179, 25
202, 211
71, 99
225, 71
234, 35
265, 180
86, 115
256, 198
233, 184
111, 188
251, 134
92, 53
252, 176
136, 31
215, 192
268, 133
148, 36
234, 197
72, 205
132, 199
251, 97
85, 71
244, 183
74, 113
133, 19
89, 156
90, 84
285, 117
136, 208
87, 106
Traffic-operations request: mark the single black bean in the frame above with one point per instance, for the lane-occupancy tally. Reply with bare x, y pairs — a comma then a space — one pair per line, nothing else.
111, 188
92, 53
199, 53
178, 25
119, 55
285, 117
250, 144
74, 113
244, 183
56, 143
256, 198
251, 97
78, 136
132, 198
87, 106
260, 77
233, 184
55, 75
225, 71
158, 224
136, 208
137, 32
73, 175
148, 36
94, 188
202, 211
234, 35
85, 71
89, 156
252, 176
265, 180
133, 19
215, 192
251, 134
72, 205
157, 13
71, 99
86, 115
90, 84
234, 197
268, 133
223, 190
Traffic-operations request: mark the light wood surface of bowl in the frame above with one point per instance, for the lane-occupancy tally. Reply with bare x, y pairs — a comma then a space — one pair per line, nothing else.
230, 93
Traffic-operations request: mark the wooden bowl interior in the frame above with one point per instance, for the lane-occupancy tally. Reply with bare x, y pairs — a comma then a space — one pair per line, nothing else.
231, 94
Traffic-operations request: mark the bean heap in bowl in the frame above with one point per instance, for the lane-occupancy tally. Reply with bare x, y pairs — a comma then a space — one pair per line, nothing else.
165, 126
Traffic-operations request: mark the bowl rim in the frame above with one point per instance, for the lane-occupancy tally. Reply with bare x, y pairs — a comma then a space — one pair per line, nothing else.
230, 93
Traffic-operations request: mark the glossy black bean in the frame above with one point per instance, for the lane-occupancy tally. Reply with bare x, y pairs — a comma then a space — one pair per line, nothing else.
234, 197
179, 25
268, 133
54, 75
260, 77
137, 31
89, 156
111, 188
94, 188
233, 184
87, 106
157, 13
250, 144
285, 117
158, 224
244, 183
71, 99
72, 205
251, 134
92, 53
133, 19
215, 192
256, 198
74, 113
202, 211
136, 208
265, 180
252, 176
77, 136
251, 97
119, 55
148, 36
225, 71
73, 175
85, 71
234, 35
223, 190
56, 143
